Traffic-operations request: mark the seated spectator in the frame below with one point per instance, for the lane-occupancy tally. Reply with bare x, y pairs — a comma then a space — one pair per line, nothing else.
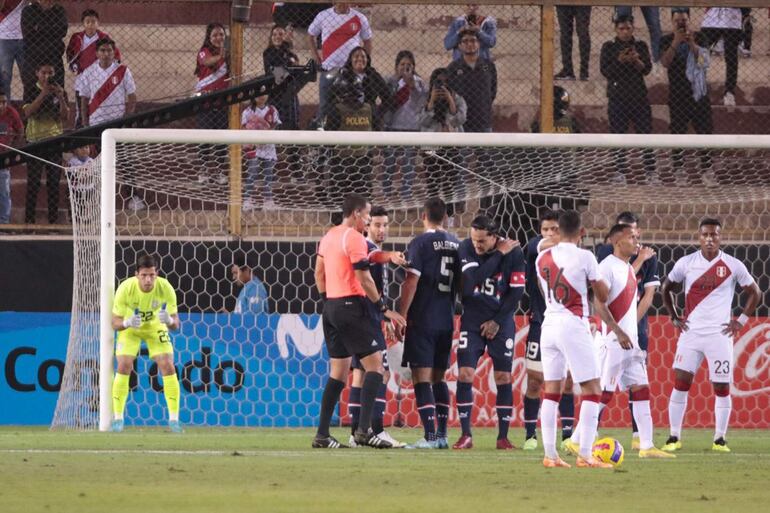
686, 56
260, 159
341, 29
212, 72
409, 93
11, 134
359, 63
252, 298
81, 52
11, 42
43, 26
725, 23
45, 109
475, 79
107, 89
652, 19
574, 17
485, 27
563, 121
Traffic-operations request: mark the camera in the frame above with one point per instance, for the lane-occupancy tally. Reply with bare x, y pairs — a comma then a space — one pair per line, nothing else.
51, 80
471, 18
440, 83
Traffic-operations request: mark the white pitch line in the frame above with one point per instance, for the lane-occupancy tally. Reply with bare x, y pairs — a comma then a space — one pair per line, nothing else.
327, 453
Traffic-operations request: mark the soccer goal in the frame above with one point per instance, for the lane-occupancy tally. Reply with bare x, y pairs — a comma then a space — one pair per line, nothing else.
203, 200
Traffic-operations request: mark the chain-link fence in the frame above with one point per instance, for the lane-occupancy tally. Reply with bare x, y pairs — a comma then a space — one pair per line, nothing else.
615, 69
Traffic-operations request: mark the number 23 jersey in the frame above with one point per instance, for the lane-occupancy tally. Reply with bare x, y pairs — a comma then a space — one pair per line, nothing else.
564, 272
433, 259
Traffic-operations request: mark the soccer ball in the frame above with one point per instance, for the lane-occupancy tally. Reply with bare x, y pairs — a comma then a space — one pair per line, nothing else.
608, 450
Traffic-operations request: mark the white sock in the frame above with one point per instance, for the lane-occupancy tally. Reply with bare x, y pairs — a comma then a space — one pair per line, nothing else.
677, 405
118, 416
589, 417
722, 408
548, 411
173, 417
575, 436
643, 419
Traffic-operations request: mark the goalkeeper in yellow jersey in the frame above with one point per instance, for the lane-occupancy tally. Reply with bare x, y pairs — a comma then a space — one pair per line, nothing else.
145, 309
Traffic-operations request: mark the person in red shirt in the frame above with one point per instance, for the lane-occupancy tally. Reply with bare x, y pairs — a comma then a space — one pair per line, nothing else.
11, 130
81, 52
213, 75
350, 320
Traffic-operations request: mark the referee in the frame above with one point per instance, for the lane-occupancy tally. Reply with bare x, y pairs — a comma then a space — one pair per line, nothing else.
349, 317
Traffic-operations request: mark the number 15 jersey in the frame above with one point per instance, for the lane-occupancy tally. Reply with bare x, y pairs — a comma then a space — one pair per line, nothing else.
433, 258
564, 272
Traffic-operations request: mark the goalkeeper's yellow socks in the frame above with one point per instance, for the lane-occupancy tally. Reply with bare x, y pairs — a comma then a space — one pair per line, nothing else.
171, 391
119, 394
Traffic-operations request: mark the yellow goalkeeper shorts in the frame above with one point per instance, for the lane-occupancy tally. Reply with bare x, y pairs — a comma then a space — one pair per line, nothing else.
130, 340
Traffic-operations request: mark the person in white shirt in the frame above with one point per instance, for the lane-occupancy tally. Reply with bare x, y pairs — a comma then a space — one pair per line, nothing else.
341, 29
625, 368
261, 158
107, 91
707, 328
565, 272
725, 23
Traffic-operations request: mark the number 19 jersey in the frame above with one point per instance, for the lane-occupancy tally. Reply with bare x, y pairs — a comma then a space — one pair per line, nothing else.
563, 272
433, 258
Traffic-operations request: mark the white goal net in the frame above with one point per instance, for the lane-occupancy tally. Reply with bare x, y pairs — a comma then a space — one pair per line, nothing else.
201, 200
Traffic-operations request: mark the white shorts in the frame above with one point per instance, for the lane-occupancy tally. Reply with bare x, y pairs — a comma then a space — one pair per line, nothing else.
622, 368
566, 343
716, 348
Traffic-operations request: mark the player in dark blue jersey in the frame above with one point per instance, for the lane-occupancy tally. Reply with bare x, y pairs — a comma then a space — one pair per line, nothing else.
427, 301
645, 265
549, 226
492, 286
376, 233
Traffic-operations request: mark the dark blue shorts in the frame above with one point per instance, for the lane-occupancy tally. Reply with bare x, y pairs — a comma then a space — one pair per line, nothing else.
427, 348
533, 342
472, 346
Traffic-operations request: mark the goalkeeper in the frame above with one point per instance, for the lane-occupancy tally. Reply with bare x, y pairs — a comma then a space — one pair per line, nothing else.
145, 309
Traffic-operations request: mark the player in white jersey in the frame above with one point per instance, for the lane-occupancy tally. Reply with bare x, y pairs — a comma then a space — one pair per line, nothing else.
565, 273
624, 367
707, 330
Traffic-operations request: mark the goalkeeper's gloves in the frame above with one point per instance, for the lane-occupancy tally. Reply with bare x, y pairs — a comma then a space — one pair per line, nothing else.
134, 321
164, 317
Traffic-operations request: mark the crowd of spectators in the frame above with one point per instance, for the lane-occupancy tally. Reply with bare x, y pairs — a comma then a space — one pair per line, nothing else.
353, 94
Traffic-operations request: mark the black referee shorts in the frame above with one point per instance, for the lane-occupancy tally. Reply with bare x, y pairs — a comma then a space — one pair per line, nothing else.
349, 327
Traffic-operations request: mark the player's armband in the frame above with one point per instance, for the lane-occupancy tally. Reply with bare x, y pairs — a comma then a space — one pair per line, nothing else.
361, 265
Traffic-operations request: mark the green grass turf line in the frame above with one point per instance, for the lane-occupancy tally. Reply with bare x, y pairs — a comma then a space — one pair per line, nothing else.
274, 470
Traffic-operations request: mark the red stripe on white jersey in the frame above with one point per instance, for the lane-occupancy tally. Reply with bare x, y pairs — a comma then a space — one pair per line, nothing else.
106, 89
560, 289
705, 285
340, 36
620, 306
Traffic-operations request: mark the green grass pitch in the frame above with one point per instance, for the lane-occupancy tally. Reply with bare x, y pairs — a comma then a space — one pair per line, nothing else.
275, 470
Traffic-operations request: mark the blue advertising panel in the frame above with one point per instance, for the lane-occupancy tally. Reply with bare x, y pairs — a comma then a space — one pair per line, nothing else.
235, 370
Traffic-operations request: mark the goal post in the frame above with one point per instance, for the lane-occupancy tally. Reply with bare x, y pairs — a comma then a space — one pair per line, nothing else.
508, 175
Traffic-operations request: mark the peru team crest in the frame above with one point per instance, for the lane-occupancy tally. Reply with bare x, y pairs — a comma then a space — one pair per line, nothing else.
721, 271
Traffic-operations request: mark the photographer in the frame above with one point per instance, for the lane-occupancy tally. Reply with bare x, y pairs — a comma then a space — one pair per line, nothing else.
685, 54
484, 26
624, 62
444, 112
45, 109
